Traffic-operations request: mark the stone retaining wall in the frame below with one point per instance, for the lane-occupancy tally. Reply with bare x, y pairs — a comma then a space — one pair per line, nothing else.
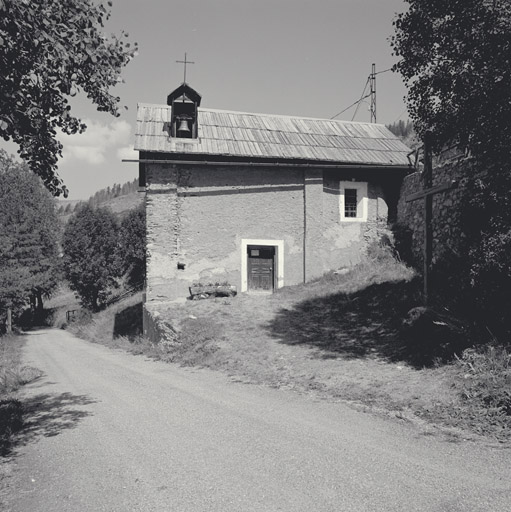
155, 329
446, 210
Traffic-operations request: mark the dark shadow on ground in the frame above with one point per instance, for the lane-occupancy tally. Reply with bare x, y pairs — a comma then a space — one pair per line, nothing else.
47, 415
128, 322
362, 324
30, 319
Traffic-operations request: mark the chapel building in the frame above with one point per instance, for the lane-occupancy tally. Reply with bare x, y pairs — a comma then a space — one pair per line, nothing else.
259, 201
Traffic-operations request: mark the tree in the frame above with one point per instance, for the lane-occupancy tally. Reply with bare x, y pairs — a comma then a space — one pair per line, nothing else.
132, 242
50, 50
90, 248
29, 229
456, 64
401, 128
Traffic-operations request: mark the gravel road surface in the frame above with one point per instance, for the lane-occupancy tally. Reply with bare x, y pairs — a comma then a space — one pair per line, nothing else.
108, 431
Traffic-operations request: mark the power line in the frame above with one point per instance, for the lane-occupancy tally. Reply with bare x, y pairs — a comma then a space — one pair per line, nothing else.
371, 79
355, 103
400, 115
352, 105
361, 99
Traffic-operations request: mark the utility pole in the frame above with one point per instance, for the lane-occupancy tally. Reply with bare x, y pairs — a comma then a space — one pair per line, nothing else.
372, 83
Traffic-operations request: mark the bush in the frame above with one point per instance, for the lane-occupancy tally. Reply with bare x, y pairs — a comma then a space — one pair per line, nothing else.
11, 421
403, 244
485, 385
485, 276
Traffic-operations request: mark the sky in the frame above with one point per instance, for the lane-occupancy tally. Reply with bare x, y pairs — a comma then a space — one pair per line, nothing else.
293, 57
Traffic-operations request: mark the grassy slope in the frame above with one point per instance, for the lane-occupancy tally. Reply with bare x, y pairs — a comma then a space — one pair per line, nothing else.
318, 337
340, 337
62, 300
123, 204
114, 326
120, 205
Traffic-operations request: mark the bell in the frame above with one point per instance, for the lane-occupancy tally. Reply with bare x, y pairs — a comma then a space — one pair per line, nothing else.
183, 126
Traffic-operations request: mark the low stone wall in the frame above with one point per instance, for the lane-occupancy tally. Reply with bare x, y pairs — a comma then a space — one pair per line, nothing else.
155, 329
446, 210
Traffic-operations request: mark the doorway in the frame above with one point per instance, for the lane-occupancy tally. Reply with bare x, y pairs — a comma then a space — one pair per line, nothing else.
261, 268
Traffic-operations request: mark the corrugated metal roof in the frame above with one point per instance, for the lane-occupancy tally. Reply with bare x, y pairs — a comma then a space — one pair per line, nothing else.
242, 134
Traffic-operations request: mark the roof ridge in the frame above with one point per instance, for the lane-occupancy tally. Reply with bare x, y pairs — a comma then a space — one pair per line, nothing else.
287, 116
262, 114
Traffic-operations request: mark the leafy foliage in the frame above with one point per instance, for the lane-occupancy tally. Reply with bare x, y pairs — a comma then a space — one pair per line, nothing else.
50, 50
456, 63
132, 255
29, 230
90, 247
486, 219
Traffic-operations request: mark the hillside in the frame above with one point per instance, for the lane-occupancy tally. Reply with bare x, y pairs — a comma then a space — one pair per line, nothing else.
118, 198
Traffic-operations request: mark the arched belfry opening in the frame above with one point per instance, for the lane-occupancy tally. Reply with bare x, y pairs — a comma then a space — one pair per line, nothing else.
184, 102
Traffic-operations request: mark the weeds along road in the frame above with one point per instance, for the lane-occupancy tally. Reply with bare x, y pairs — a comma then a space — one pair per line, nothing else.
108, 431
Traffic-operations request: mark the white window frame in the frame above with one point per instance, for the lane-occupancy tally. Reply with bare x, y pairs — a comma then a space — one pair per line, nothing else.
279, 255
361, 188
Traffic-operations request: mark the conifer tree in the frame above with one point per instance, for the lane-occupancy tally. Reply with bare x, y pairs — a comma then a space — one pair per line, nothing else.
29, 230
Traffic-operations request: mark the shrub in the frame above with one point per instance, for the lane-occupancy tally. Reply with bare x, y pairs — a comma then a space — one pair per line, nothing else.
403, 244
11, 421
485, 386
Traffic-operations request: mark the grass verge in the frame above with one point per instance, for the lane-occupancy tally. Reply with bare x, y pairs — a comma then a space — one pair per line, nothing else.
13, 375
118, 325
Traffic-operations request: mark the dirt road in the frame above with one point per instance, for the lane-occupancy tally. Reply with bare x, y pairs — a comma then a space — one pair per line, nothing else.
108, 431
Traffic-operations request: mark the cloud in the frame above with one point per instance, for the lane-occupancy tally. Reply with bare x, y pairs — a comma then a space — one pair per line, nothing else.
97, 142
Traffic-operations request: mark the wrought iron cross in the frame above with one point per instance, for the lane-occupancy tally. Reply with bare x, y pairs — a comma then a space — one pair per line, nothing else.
185, 62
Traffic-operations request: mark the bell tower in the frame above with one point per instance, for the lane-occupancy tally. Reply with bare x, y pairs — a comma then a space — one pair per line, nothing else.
184, 102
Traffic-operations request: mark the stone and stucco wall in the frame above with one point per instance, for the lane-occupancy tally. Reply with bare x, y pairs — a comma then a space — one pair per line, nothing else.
446, 208
344, 243
197, 218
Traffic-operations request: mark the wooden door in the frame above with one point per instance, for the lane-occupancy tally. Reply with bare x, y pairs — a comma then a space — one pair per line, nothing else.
261, 264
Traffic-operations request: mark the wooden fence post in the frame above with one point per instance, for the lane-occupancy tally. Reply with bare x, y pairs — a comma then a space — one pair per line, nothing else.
9, 321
